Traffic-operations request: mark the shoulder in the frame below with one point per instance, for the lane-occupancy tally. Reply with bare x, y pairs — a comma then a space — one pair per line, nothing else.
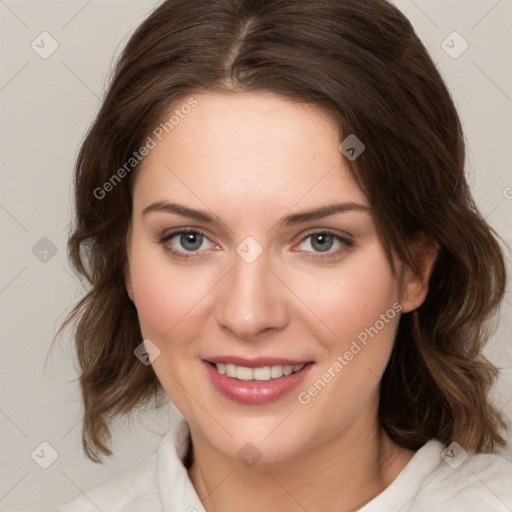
467, 482
132, 491
448, 479
162, 478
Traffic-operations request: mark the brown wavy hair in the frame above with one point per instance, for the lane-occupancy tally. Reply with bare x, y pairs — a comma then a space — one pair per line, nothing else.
361, 61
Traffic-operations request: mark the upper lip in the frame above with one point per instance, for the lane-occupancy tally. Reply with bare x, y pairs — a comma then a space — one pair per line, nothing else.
256, 362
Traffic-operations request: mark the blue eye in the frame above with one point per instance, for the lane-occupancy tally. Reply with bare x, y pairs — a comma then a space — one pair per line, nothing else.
323, 242
191, 243
183, 241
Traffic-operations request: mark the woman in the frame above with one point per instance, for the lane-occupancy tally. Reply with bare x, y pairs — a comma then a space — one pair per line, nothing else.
272, 212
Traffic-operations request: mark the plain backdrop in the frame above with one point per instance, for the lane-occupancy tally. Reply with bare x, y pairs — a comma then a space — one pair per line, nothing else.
46, 106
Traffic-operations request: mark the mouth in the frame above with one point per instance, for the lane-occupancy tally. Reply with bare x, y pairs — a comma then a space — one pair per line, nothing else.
255, 381
258, 374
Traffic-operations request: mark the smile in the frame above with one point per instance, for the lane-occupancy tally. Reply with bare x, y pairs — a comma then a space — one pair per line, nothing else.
255, 382
262, 373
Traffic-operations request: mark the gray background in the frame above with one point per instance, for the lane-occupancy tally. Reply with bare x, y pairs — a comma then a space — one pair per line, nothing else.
46, 106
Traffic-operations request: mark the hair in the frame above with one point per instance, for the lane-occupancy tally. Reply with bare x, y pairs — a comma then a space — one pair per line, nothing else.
362, 62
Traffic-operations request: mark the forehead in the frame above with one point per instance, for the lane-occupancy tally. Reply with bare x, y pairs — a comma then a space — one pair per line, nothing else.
247, 150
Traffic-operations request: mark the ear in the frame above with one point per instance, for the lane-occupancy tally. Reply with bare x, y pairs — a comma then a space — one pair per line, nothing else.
424, 252
128, 281
126, 268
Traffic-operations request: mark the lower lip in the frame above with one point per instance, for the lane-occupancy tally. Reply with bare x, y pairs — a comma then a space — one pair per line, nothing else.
255, 392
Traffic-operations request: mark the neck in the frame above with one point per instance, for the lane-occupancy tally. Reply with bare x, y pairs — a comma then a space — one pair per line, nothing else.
340, 475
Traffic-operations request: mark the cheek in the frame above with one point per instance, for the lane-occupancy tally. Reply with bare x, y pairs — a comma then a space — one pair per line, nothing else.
361, 308
350, 298
167, 296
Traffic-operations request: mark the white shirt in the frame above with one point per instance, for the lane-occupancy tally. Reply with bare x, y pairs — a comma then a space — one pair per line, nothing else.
429, 483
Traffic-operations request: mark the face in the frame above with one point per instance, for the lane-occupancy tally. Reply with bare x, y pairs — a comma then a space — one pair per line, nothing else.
253, 254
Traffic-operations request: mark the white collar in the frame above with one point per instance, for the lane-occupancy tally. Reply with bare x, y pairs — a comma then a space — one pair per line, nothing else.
178, 494
176, 490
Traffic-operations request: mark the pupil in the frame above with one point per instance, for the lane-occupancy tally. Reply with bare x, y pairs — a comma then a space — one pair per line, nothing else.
322, 242
191, 241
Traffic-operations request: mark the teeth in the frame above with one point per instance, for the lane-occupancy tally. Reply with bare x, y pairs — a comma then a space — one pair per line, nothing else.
276, 372
231, 370
243, 373
260, 374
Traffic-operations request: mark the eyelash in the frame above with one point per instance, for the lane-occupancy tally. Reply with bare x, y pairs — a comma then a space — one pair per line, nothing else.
346, 242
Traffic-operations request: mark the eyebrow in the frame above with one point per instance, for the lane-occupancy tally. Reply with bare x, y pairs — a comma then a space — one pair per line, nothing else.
323, 211
292, 219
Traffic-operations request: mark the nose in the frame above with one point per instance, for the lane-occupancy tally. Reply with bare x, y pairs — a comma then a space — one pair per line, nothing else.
251, 300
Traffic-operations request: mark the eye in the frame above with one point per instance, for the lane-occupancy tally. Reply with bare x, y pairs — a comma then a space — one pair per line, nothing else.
324, 242
183, 241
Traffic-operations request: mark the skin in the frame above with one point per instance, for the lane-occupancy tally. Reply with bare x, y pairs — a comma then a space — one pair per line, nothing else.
250, 159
